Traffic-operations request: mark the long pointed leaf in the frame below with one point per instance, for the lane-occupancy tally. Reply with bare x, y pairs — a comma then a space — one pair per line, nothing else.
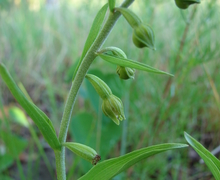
131, 64
211, 161
38, 116
93, 33
110, 168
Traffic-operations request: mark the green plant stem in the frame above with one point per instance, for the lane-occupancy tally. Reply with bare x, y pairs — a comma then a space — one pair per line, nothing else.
88, 59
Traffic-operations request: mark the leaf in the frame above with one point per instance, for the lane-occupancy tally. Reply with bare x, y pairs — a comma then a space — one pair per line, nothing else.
38, 116
211, 161
14, 144
5, 162
130, 63
130, 16
93, 33
111, 4
110, 168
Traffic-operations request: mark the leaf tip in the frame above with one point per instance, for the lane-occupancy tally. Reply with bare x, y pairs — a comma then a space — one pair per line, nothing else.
186, 134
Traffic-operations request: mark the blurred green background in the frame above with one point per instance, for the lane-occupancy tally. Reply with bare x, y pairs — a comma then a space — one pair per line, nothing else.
40, 43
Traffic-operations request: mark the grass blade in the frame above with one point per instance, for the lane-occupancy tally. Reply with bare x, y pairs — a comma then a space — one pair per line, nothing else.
38, 116
211, 161
110, 168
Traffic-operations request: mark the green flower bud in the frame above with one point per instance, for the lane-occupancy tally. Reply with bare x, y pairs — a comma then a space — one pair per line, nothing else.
131, 17
100, 86
114, 51
143, 36
113, 108
184, 4
125, 72
84, 152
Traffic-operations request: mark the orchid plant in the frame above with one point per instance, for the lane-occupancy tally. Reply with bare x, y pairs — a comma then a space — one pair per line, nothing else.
112, 106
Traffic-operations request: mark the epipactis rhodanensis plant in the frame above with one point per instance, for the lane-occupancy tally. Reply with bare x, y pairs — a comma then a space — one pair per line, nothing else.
112, 106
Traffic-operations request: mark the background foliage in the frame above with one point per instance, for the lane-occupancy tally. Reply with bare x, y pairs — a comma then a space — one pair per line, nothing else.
40, 43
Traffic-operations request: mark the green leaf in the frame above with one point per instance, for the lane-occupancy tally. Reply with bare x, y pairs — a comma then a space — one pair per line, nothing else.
14, 144
130, 16
5, 161
110, 168
38, 116
111, 4
93, 33
211, 161
130, 63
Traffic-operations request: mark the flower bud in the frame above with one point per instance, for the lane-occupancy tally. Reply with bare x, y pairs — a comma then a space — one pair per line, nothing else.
114, 51
100, 86
84, 152
184, 4
125, 72
113, 108
143, 36
131, 17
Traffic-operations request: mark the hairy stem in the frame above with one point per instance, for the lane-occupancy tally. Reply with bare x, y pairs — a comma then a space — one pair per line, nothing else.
80, 75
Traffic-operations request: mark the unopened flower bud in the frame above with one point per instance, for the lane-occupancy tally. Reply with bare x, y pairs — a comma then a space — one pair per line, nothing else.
83, 151
125, 72
143, 36
184, 4
100, 86
113, 108
114, 51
